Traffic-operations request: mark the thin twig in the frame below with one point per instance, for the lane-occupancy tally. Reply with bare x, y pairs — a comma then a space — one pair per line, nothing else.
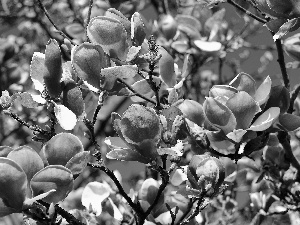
189, 208
247, 12
294, 95
88, 19
281, 62
52, 22
194, 214
136, 93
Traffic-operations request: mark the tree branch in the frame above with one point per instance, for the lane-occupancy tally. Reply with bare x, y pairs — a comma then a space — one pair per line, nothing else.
281, 62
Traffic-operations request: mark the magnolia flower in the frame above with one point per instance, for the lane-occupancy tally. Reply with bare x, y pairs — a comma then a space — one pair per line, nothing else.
231, 109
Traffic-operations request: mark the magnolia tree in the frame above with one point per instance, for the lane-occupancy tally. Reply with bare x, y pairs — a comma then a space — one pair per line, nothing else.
216, 149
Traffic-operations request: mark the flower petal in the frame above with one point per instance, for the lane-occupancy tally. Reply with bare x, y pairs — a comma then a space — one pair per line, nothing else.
88, 60
244, 108
65, 117
265, 120
244, 82
222, 91
110, 34
93, 195
52, 177
37, 66
263, 91
28, 159
219, 115
61, 148
13, 183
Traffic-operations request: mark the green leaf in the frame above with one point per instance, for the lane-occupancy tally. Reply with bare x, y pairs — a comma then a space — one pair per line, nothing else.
25, 99
52, 177
222, 91
166, 67
111, 74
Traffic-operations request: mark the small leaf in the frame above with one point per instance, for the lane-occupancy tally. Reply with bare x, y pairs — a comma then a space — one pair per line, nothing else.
111, 74
138, 33
133, 53
191, 110
166, 67
52, 177
37, 67
65, 117
187, 65
263, 91
126, 154
285, 28
173, 96
265, 120
289, 121
143, 87
78, 162
5, 150
93, 195
26, 99
75, 30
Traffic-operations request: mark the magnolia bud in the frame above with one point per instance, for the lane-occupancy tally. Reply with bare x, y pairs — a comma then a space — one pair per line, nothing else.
206, 173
